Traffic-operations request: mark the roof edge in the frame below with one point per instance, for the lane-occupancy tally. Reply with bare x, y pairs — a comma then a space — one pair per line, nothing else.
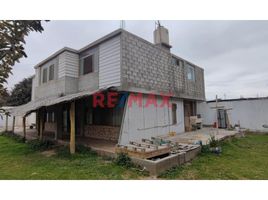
54, 55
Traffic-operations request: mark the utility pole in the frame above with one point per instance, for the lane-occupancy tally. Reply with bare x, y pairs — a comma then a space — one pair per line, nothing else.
122, 24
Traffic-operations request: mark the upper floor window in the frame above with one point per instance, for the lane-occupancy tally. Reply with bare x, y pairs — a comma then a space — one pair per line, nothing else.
48, 74
190, 72
87, 64
51, 73
45, 75
175, 61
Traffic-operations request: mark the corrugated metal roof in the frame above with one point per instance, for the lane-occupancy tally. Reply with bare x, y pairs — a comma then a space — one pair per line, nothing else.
34, 105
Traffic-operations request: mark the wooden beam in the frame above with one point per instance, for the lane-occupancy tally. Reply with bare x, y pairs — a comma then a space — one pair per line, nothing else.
24, 127
13, 124
72, 134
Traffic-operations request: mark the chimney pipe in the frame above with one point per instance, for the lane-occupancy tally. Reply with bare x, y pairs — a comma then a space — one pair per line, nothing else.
161, 37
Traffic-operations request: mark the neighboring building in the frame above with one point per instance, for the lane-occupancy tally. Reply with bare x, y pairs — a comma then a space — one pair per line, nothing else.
248, 113
18, 121
122, 62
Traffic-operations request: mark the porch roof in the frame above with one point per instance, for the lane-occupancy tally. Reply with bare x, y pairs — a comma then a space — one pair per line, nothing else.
34, 105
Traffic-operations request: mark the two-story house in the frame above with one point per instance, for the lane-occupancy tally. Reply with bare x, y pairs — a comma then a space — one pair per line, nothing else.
66, 83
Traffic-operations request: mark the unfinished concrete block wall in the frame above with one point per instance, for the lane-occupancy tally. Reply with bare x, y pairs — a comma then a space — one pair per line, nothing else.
149, 67
102, 132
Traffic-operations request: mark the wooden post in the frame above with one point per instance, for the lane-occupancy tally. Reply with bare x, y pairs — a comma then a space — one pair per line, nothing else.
41, 124
6, 129
24, 127
13, 124
72, 134
217, 125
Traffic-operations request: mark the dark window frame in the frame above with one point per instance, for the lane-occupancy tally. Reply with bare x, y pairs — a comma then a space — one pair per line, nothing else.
90, 69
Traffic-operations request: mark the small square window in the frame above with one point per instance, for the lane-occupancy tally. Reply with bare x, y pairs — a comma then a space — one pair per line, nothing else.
45, 75
190, 73
175, 61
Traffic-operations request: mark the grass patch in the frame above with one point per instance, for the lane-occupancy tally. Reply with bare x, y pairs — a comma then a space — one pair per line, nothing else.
19, 161
243, 158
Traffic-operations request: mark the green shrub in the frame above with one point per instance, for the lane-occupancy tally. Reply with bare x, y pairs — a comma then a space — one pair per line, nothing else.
83, 149
213, 142
124, 160
64, 151
205, 149
38, 145
13, 136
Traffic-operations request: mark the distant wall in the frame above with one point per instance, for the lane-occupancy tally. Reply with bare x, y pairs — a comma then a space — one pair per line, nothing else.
30, 119
252, 114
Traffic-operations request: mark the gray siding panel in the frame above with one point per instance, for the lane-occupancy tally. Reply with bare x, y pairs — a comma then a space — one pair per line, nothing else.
109, 63
68, 64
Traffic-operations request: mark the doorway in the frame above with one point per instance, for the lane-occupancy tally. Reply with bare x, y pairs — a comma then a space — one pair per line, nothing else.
222, 118
189, 110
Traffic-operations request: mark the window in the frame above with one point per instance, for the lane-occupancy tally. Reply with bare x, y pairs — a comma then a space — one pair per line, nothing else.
87, 64
175, 61
89, 116
174, 113
51, 73
50, 117
190, 73
45, 75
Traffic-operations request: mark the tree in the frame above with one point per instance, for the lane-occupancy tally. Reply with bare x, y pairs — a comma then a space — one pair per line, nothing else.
3, 101
12, 34
21, 93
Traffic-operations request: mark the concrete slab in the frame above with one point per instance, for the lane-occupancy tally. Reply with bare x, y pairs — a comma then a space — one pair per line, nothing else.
203, 135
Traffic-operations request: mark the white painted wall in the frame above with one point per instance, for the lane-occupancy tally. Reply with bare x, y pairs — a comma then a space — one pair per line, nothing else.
252, 114
109, 63
18, 121
147, 122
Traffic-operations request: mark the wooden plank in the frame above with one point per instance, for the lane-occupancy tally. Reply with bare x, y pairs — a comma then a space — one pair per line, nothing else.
72, 134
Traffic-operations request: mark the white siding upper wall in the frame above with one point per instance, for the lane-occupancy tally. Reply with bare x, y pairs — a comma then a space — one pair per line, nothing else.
34, 85
109, 63
147, 122
251, 114
68, 64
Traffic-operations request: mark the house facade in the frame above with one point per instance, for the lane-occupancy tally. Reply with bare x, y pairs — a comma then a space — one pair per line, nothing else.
66, 83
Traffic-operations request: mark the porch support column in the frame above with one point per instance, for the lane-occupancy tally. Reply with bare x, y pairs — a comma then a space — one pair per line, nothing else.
6, 128
72, 124
13, 124
41, 124
24, 127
